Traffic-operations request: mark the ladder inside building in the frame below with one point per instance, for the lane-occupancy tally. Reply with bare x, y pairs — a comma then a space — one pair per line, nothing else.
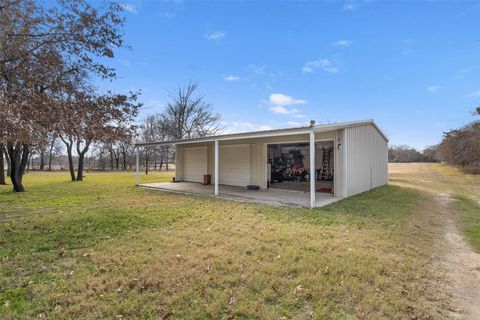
325, 169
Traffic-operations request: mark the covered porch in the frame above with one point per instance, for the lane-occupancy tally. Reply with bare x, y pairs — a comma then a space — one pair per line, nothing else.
292, 166
267, 196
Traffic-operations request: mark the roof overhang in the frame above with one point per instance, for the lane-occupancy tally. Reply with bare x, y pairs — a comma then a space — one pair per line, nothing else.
269, 133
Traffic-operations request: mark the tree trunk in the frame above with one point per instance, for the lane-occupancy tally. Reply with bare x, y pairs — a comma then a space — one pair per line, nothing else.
81, 159
50, 152
110, 149
69, 145
154, 160
18, 154
166, 158
2, 165
124, 160
70, 162
9, 163
42, 160
146, 162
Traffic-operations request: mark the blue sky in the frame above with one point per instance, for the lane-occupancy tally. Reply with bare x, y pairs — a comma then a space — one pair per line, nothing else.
412, 66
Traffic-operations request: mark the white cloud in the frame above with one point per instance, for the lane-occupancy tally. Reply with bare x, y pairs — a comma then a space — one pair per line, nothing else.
279, 103
349, 6
342, 43
280, 99
231, 78
243, 126
282, 110
129, 7
264, 127
474, 94
215, 36
154, 103
433, 88
323, 64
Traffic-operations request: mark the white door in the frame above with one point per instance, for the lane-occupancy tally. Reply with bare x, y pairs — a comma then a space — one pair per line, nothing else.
234, 167
194, 164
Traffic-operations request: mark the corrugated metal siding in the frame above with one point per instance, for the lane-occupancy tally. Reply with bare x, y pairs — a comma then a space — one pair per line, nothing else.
362, 147
366, 159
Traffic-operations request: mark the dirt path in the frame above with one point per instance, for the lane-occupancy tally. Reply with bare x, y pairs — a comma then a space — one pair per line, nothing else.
459, 279
460, 264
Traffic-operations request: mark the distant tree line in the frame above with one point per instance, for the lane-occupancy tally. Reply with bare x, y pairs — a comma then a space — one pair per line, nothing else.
404, 153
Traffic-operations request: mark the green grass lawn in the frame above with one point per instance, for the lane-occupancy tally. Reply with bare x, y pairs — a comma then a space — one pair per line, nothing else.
103, 248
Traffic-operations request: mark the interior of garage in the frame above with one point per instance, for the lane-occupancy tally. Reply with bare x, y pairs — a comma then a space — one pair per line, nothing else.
289, 166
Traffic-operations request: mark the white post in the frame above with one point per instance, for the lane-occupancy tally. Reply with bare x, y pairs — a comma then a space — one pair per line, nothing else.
312, 169
137, 167
216, 167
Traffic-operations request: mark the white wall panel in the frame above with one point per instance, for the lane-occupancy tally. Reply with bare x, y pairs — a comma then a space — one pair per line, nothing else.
234, 165
194, 163
366, 159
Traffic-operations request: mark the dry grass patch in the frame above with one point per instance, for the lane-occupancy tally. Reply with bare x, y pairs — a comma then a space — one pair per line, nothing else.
438, 178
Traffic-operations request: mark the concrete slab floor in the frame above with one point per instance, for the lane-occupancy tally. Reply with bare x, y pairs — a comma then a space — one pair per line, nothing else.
270, 196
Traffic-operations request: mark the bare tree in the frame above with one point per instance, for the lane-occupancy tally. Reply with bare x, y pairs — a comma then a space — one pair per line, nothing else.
190, 116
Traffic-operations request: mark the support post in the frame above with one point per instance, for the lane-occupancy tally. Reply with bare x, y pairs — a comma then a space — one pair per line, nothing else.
137, 167
312, 169
216, 167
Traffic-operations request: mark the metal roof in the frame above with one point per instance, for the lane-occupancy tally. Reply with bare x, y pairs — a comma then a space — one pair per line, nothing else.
269, 133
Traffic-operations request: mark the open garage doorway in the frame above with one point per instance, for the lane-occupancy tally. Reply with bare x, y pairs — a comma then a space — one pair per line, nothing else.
289, 166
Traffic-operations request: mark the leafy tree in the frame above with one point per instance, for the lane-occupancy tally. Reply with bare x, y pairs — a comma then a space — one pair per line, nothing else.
430, 154
39, 47
461, 147
95, 118
404, 153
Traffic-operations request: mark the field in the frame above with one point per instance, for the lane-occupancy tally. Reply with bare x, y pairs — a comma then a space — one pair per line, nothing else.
103, 248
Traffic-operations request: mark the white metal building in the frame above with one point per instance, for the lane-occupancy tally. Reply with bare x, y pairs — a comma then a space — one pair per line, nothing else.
327, 160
